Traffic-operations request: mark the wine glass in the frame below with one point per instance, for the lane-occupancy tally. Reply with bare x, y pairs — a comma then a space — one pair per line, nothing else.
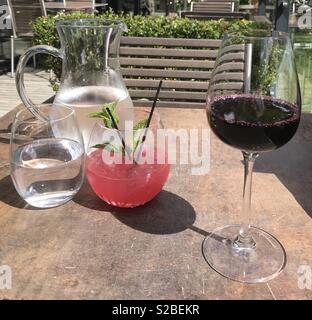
254, 105
47, 156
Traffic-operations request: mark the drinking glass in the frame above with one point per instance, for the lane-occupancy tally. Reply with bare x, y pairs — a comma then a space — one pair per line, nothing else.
121, 169
254, 105
47, 156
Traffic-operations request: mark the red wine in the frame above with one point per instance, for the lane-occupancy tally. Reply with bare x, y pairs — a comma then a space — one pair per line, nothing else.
253, 123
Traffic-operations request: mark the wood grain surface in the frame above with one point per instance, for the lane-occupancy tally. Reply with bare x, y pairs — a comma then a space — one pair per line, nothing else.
87, 249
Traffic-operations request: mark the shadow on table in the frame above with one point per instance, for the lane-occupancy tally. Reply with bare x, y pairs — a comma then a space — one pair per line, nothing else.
165, 214
292, 164
9, 195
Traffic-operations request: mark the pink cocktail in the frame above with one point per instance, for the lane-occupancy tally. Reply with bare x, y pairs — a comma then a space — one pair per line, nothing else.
125, 185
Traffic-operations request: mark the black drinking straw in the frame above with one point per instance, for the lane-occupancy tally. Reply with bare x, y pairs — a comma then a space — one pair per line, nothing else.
150, 117
120, 136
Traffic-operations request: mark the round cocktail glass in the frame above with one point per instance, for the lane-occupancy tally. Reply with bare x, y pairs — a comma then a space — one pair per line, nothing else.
122, 170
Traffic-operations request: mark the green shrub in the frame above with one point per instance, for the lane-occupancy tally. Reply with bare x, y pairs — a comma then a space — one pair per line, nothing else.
140, 26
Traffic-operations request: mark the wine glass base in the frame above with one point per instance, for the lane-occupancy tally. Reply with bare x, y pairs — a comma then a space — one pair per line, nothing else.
261, 264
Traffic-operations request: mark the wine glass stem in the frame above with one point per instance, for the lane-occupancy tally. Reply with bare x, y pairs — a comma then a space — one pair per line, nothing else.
244, 240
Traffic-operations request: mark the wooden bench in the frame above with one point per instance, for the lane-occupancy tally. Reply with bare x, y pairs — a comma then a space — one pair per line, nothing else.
202, 15
185, 65
213, 6
22, 13
212, 9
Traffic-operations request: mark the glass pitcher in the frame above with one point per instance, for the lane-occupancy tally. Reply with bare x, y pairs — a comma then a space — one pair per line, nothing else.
91, 71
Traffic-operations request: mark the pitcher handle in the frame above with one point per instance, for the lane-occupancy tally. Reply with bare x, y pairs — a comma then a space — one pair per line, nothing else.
19, 80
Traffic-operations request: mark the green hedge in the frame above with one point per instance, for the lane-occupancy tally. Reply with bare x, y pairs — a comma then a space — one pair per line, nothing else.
150, 26
139, 26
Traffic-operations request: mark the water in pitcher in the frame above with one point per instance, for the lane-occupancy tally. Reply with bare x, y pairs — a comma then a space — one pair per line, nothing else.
85, 100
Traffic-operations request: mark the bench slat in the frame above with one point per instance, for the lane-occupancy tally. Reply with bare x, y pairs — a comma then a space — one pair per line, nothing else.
216, 8
150, 41
202, 15
229, 76
234, 47
157, 73
233, 66
209, 3
174, 63
183, 95
228, 86
170, 104
161, 52
232, 57
170, 84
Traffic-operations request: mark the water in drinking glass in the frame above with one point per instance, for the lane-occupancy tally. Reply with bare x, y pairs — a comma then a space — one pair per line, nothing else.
47, 156
48, 172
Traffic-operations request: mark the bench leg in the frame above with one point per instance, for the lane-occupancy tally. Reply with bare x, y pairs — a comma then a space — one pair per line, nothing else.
34, 61
12, 56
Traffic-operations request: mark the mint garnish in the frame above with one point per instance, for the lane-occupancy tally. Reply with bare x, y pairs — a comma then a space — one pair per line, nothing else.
107, 146
103, 114
140, 125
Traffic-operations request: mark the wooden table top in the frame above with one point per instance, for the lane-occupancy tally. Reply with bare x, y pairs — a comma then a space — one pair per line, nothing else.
87, 249
76, 5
